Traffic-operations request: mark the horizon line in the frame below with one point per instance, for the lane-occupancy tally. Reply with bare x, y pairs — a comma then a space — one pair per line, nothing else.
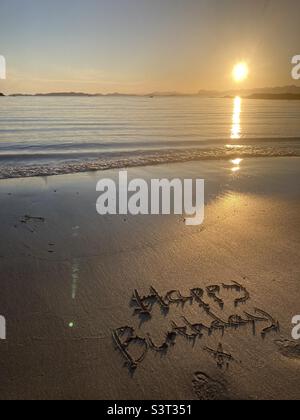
157, 93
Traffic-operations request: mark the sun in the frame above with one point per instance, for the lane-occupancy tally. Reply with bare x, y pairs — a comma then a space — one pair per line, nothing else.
240, 72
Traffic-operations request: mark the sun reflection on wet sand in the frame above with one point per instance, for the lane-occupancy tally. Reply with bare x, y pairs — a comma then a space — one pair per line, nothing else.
236, 162
75, 277
236, 119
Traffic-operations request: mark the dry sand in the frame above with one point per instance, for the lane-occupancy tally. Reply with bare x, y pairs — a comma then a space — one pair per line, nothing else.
68, 276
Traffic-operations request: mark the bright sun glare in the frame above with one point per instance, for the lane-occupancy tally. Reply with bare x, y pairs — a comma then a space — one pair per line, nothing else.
240, 72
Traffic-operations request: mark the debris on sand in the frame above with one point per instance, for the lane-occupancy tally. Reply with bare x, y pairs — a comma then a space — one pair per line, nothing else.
31, 222
208, 389
27, 219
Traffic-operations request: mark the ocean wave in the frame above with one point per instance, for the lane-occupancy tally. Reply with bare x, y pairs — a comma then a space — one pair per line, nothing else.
33, 166
9, 149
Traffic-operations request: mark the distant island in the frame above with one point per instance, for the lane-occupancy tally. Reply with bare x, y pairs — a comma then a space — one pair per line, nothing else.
81, 94
278, 93
247, 93
280, 96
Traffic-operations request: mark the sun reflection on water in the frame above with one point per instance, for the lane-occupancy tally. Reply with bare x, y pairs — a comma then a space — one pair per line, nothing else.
236, 119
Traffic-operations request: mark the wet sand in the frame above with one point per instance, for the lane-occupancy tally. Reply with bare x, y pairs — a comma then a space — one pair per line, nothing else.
68, 276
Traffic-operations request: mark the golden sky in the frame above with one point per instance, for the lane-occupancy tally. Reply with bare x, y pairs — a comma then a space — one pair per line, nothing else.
140, 46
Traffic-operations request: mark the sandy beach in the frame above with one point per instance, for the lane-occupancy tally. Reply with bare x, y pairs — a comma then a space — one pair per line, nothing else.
68, 277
